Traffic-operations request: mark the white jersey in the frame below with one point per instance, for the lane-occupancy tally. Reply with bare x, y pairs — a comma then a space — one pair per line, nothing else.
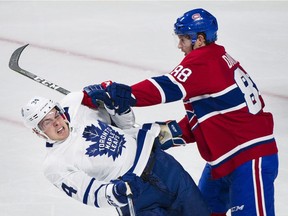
95, 152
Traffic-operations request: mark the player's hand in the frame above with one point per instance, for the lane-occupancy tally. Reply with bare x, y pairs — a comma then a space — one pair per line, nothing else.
121, 97
97, 93
170, 135
116, 193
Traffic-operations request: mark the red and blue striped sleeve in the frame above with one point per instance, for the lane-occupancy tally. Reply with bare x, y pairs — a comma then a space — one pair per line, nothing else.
156, 90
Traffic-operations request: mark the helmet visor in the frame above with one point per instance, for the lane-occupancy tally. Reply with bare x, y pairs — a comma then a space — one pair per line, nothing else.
50, 118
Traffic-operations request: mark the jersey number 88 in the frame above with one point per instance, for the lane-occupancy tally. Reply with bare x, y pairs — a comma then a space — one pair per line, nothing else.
249, 89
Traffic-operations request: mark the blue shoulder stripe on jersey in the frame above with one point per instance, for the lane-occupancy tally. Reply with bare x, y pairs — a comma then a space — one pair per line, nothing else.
147, 126
226, 101
96, 195
85, 198
140, 142
172, 91
66, 112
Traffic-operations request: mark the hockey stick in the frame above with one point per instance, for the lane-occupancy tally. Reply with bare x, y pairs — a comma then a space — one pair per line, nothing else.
130, 201
14, 65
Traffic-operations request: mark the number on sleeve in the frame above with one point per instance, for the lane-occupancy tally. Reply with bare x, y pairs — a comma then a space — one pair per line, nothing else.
249, 90
68, 190
181, 73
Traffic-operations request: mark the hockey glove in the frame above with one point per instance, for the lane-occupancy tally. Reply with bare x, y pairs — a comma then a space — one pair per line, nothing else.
121, 97
97, 93
135, 183
116, 193
170, 135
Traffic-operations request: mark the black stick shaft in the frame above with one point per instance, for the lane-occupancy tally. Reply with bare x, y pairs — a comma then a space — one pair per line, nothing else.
14, 65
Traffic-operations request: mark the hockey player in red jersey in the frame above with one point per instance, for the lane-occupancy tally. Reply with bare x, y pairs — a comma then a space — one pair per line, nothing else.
224, 116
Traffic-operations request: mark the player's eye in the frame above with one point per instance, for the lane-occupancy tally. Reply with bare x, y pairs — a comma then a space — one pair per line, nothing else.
49, 119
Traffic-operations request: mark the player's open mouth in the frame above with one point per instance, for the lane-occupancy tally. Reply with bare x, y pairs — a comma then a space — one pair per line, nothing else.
60, 130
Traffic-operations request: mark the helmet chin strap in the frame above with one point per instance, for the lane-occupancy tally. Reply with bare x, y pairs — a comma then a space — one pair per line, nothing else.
39, 134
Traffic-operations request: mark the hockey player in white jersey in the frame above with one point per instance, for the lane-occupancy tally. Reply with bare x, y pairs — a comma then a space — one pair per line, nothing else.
91, 154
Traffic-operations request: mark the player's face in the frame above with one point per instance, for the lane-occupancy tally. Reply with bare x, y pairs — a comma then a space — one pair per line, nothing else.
54, 126
185, 44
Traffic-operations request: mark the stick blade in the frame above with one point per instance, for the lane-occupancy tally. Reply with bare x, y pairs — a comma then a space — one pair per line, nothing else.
13, 63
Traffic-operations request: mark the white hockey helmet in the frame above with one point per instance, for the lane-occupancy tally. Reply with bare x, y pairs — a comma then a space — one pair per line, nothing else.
35, 110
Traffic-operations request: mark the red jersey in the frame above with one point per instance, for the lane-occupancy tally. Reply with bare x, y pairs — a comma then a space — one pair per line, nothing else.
224, 109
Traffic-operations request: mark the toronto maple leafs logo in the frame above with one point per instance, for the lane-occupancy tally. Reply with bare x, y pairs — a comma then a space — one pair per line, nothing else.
106, 141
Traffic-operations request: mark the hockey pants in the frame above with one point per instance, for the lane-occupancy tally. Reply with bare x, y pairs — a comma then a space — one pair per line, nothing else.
166, 190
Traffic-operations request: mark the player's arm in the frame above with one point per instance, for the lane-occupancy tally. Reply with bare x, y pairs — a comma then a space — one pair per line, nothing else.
161, 89
120, 97
88, 190
187, 134
180, 84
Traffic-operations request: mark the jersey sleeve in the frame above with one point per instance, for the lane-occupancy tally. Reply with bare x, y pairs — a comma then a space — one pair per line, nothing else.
77, 184
87, 101
124, 121
141, 91
190, 78
187, 135
161, 89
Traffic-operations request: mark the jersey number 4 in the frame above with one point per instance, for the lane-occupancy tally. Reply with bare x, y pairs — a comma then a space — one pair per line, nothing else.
68, 190
249, 89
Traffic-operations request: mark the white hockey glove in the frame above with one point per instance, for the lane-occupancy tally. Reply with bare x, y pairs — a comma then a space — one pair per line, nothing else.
170, 135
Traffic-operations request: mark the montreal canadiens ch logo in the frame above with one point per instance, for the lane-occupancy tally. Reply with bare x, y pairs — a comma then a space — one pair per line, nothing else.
196, 16
106, 141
